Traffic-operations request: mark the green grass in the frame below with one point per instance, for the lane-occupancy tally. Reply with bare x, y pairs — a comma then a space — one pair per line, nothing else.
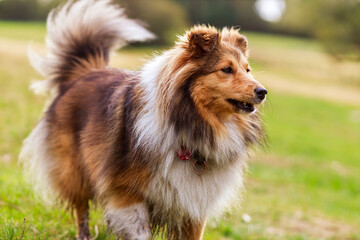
23, 30
309, 172
304, 185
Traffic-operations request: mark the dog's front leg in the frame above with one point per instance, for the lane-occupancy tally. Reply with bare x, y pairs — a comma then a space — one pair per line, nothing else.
194, 229
129, 221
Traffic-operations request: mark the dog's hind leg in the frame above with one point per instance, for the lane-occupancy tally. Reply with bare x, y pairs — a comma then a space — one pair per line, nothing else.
82, 219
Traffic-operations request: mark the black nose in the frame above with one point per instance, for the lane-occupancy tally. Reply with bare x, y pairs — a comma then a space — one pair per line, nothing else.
260, 93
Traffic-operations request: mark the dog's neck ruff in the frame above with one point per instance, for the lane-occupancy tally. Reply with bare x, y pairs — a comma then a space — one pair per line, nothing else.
154, 132
198, 161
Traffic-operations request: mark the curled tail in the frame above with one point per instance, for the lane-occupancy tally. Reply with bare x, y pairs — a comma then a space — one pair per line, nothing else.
80, 36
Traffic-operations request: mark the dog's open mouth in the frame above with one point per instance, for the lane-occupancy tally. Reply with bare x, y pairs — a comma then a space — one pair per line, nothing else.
242, 106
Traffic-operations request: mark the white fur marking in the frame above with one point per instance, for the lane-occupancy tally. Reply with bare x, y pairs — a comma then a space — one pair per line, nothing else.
38, 162
130, 223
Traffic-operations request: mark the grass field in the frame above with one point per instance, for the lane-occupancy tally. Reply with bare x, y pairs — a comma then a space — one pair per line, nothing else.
304, 185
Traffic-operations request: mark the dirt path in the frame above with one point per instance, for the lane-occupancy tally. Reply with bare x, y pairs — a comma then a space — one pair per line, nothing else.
335, 93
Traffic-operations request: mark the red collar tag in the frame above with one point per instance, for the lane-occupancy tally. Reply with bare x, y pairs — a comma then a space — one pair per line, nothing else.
184, 154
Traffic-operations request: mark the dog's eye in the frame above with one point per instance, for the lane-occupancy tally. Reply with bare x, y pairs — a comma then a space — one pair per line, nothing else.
248, 70
227, 70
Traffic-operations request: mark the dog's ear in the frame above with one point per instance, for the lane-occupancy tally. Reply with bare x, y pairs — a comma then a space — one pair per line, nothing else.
232, 36
202, 43
242, 43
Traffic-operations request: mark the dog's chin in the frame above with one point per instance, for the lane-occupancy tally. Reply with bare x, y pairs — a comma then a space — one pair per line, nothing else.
242, 107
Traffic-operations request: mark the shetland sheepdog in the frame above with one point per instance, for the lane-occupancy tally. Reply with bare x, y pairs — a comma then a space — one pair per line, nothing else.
160, 149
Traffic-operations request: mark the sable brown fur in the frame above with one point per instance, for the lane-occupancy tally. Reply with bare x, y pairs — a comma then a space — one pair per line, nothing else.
90, 125
111, 136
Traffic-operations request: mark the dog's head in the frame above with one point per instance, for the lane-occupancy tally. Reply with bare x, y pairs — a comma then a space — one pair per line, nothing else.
210, 70
224, 84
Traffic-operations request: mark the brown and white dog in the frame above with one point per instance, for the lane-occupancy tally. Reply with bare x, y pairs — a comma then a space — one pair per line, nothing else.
162, 148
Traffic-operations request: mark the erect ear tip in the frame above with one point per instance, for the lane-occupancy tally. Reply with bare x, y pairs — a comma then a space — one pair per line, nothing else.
210, 41
202, 41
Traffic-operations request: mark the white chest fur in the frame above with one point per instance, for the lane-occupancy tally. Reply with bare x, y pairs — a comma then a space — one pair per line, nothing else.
175, 188
181, 191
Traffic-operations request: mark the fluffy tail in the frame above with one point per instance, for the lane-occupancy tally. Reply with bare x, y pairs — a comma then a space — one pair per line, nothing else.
80, 36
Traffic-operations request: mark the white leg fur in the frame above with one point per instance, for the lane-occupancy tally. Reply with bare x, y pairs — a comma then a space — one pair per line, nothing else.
130, 223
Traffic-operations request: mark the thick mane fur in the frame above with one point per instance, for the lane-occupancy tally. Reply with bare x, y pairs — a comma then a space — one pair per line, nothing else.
167, 82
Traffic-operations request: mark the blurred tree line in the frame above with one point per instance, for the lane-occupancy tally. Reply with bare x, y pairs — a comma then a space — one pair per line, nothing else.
335, 23
163, 17
26, 10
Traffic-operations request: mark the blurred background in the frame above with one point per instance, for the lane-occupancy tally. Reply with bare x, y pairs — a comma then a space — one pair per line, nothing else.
305, 184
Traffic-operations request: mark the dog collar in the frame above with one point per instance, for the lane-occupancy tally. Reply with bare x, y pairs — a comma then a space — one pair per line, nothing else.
199, 161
